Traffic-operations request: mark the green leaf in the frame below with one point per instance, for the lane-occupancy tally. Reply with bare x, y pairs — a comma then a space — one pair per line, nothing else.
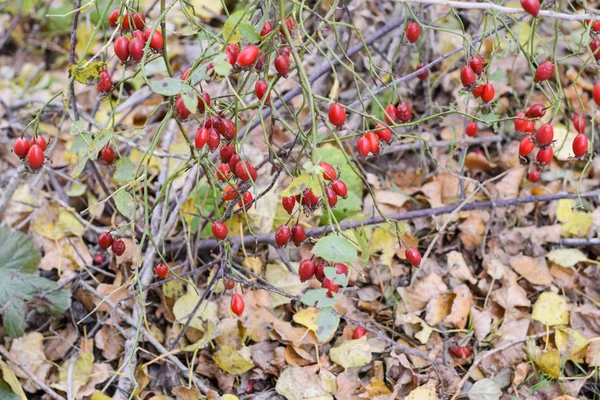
125, 203
125, 171
231, 29
88, 75
248, 32
14, 317
167, 86
335, 248
6, 393
497, 76
199, 74
318, 298
190, 99
78, 189
328, 323
17, 252
222, 68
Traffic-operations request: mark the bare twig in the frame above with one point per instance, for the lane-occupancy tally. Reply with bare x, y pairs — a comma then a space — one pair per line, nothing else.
10, 189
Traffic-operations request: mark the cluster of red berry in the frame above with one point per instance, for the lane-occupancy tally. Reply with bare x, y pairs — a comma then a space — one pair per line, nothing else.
31, 152
310, 268
468, 77
106, 240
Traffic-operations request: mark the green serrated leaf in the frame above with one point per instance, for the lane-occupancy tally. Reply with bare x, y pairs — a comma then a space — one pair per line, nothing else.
125, 171
335, 248
125, 203
17, 252
231, 28
248, 32
327, 323
14, 317
88, 75
167, 86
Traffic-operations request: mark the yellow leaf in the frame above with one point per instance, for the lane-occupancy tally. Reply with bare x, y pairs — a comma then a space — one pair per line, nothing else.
566, 257
564, 142
548, 361
425, 332
98, 395
207, 8
173, 288
11, 379
231, 361
300, 183
69, 224
574, 223
551, 309
254, 264
353, 353
570, 343
306, 317
280, 277
384, 241
210, 332
229, 397
423, 393
377, 387
80, 374
185, 305
88, 75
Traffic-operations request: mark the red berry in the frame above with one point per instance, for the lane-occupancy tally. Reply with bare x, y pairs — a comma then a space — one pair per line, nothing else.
282, 65
341, 269
595, 25
424, 74
247, 56
245, 171
477, 90
161, 270
40, 141
461, 351
105, 84
595, 47
234, 49
359, 332
233, 162
531, 6
306, 270
230, 57
227, 129
223, 172
288, 203
337, 114
237, 304
282, 235
21, 146
284, 51
298, 234
260, 88
413, 31
309, 199
180, 109
544, 71
530, 127
139, 21
113, 18
121, 48
118, 247
320, 271
536, 111
487, 94
580, 145
214, 140
373, 142
289, 24
391, 114
471, 129
544, 156
384, 133
226, 152
339, 187
331, 286
579, 122
219, 230
331, 197
404, 112
246, 201
364, 146
139, 35
596, 93
250, 388
266, 29
105, 240
229, 284
329, 173
526, 146
230, 192
35, 156
520, 123
203, 102
98, 259
136, 49
413, 256
108, 154
476, 64
201, 137
534, 175
544, 135
467, 77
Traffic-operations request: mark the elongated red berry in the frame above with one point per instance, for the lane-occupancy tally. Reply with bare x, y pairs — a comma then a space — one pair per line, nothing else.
288, 203
282, 235
237, 304
247, 56
40, 141
219, 230
526, 146
404, 112
423, 74
595, 47
359, 332
233, 162
282, 65
413, 31
260, 88
476, 64
298, 234
35, 157
214, 140
373, 142
579, 122
544, 156
384, 133
118, 247
105, 240
339, 187
413, 256
467, 77
329, 173
520, 123
580, 145
107, 154
487, 94
227, 150
364, 146
337, 114
477, 90
391, 114
180, 109
534, 175
471, 129
245, 171
246, 201
596, 93
136, 49
161, 270
134, 20
461, 351
223, 172
156, 41
544, 71
113, 18
121, 48
531, 6
331, 197
21, 146
105, 84
544, 135
306, 270
266, 29
201, 138
229, 192
536, 111
227, 129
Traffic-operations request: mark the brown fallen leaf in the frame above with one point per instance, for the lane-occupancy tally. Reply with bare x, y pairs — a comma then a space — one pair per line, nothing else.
535, 270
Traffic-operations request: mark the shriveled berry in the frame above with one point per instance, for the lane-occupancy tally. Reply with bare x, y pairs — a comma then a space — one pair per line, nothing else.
384, 133
460, 351
331, 286
339, 187
423, 74
526, 146
298, 234
306, 270
105, 240
284, 51
391, 114
476, 64
161, 270
487, 94
544, 156
413, 256
118, 247
282, 65
471, 129
21, 146
413, 31
247, 56
534, 175
359, 332
579, 122
544, 135
331, 197
341, 269
203, 102
108, 154
121, 48
320, 271
219, 230
266, 29
364, 146
245, 171
580, 145
536, 111
544, 71
329, 173
288, 203
260, 88
531, 6
237, 304
467, 77
282, 235
35, 157
105, 84
404, 112
337, 114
